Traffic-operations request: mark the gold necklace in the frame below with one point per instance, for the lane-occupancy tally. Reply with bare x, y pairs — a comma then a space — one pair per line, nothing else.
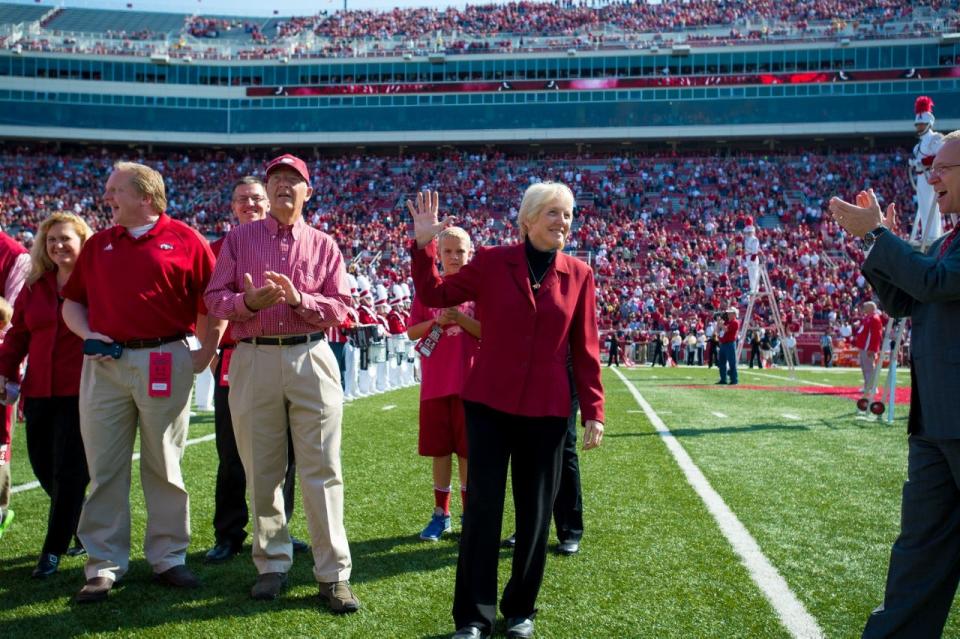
536, 280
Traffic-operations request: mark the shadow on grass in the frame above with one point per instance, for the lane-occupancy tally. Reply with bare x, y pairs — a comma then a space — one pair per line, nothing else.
841, 422
136, 602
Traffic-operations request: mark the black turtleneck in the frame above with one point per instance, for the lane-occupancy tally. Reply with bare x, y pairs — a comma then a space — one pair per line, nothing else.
538, 263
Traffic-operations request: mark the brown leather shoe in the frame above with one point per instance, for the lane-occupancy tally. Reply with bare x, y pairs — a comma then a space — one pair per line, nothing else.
339, 597
269, 585
177, 577
95, 590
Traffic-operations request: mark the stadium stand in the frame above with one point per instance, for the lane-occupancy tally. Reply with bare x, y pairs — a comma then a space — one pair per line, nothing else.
19, 13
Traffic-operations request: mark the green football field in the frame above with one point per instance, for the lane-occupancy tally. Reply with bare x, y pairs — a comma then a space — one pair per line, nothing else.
752, 511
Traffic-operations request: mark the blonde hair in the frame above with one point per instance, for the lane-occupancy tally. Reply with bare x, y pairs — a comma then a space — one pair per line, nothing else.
457, 232
148, 182
536, 197
6, 312
40, 262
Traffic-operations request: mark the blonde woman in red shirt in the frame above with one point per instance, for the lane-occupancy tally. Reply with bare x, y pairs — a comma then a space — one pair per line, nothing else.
51, 386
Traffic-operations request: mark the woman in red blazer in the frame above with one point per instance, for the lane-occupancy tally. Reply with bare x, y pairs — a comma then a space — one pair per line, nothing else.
51, 387
538, 305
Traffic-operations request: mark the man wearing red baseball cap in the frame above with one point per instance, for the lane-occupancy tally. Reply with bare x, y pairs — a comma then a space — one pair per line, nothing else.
281, 284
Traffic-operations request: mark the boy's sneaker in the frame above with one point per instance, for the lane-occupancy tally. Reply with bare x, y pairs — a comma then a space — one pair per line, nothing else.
438, 525
7, 519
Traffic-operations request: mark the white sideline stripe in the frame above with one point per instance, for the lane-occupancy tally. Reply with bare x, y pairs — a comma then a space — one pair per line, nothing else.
136, 457
789, 416
389, 407
720, 415
783, 377
792, 613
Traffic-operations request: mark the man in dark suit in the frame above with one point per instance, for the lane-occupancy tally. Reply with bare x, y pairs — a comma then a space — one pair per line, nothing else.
923, 574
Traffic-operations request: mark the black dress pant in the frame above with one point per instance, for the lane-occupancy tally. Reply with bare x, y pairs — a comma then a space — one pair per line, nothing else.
613, 359
925, 560
536, 446
55, 448
755, 357
230, 513
568, 507
341, 355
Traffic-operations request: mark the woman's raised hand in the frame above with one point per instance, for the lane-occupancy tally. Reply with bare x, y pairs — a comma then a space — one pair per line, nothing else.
425, 212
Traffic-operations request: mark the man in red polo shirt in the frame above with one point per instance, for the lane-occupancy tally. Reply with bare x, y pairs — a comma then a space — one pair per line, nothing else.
868, 340
138, 284
281, 284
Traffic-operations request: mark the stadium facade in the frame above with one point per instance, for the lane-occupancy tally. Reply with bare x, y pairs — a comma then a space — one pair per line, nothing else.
806, 90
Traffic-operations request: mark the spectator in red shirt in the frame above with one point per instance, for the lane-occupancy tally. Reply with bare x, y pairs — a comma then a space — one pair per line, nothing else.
52, 385
728, 328
138, 285
443, 370
868, 340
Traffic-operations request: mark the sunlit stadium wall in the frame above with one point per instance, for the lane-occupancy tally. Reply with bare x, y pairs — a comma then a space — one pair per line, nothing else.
821, 90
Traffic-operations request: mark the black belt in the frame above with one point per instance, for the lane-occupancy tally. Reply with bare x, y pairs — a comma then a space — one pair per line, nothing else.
291, 340
154, 341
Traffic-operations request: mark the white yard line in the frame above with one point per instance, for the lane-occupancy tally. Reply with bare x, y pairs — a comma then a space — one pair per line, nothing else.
784, 377
720, 415
136, 457
789, 416
792, 613
389, 407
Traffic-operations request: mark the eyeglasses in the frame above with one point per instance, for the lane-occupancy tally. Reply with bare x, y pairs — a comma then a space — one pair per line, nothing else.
256, 199
937, 171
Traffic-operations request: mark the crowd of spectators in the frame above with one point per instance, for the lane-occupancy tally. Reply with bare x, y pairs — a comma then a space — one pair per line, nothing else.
663, 232
530, 26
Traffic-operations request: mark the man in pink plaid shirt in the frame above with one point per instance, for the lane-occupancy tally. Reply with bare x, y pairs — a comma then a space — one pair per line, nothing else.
282, 283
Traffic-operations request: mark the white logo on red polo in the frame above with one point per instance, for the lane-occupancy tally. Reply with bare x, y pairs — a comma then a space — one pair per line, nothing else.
108, 247
166, 247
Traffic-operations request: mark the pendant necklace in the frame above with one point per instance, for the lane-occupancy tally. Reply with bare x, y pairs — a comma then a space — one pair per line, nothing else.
536, 280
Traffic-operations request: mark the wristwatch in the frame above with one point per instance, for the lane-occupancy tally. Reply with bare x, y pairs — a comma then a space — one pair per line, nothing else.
871, 236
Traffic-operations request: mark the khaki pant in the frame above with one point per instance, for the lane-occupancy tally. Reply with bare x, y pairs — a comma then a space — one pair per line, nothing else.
271, 387
868, 364
113, 401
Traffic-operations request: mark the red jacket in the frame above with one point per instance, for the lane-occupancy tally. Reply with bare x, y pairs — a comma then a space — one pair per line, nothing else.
522, 364
38, 330
869, 334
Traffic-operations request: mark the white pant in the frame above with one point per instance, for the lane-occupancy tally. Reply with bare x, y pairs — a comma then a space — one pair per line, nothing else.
932, 224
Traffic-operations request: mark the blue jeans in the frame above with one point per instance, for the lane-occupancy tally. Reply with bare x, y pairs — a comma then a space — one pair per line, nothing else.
728, 360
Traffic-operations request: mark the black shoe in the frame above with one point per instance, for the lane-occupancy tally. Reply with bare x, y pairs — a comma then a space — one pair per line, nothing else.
510, 541
220, 553
469, 632
568, 548
299, 545
733, 383
720, 383
77, 550
46, 566
520, 627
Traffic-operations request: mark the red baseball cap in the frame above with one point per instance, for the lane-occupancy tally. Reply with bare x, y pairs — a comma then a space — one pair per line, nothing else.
293, 162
